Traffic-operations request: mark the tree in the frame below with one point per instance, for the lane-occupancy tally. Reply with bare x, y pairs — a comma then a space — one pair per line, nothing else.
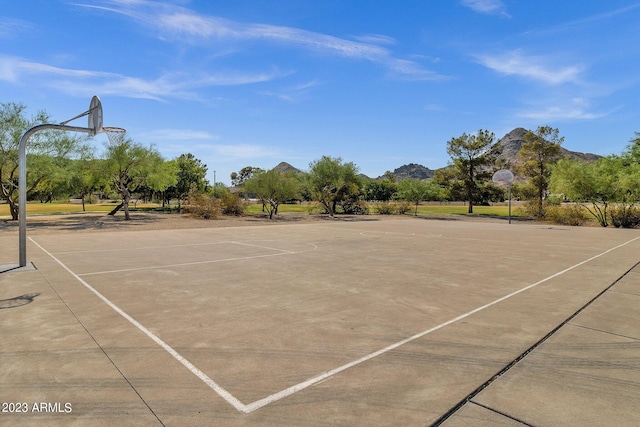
191, 176
416, 191
472, 159
163, 176
539, 151
379, 191
597, 185
239, 178
129, 165
86, 177
273, 188
331, 182
48, 154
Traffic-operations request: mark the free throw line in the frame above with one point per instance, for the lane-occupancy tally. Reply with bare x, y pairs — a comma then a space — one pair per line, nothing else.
301, 386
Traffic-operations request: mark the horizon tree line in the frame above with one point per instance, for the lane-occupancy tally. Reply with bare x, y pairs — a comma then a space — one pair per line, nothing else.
62, 164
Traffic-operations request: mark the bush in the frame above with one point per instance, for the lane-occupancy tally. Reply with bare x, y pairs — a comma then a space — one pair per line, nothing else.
232, 204
625, 216
385, 208
573, 214
392, 208
355, 207
203, 206
403, 207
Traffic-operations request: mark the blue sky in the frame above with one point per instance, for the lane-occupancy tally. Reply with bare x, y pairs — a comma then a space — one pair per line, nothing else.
378, 83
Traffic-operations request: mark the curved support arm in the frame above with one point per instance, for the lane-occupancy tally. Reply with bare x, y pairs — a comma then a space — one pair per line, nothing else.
22, 181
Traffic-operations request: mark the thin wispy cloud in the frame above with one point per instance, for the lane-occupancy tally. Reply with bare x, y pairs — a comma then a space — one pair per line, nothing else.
488, 7
585, 22
181, 135
553, 111
11, 28
173, 23
243, 151
85, 82
294, 93
531, 67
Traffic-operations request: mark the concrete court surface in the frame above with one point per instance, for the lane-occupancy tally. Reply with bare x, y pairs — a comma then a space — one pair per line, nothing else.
396, 322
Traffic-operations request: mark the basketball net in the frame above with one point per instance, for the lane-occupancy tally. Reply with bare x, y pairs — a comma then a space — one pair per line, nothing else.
115, 135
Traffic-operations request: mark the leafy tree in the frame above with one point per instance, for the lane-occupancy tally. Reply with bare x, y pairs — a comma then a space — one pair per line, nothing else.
380, 191
129, 166
331, 182
273, 188
163, 176
472, 159
239, 178
416, 191
596, 185
48, 153
191, 173
539, 151
85, 177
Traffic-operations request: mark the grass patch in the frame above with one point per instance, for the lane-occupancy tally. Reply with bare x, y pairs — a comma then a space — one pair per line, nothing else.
501, 211
293, 208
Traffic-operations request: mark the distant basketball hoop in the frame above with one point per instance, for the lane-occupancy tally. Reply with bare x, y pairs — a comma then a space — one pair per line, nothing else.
505, 177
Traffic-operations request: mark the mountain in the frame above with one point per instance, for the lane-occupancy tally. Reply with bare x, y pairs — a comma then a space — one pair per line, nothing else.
286, 167
511, 143
411, 171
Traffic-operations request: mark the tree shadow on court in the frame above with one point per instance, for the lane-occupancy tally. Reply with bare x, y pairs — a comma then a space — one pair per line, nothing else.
18, 301
77, 222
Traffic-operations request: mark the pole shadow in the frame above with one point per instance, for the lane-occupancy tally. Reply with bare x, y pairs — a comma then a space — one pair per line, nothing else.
18, 301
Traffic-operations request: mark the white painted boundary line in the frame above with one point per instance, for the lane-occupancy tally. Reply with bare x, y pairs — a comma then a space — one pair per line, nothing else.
197, 372
301, 386
281, 252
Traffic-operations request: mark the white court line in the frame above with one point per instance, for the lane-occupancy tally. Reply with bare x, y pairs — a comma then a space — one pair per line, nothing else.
197, 372
282, 252
301, 386
130, 248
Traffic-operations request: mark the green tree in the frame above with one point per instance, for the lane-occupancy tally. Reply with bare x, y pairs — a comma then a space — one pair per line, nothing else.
330, 182
239, 178
472, 160
191, 176
379, 190
48, 154
597, 185
539, 151
416, 191
86, 177
273, 188
129, 165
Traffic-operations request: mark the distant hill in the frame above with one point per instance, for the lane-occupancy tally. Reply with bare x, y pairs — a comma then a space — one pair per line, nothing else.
511, 143
412, 171
286, 167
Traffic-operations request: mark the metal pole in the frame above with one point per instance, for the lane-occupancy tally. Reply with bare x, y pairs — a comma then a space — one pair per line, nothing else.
22, 181
509, 187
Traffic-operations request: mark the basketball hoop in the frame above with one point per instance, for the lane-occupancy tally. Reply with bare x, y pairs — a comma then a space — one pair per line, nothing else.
505, 177
94, 126
115, 134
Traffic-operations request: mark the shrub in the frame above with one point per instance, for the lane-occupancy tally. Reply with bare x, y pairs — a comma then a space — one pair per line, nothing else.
355, 207
573, 214
203, 205
403, 207
625, 216
232, 204
385, 208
